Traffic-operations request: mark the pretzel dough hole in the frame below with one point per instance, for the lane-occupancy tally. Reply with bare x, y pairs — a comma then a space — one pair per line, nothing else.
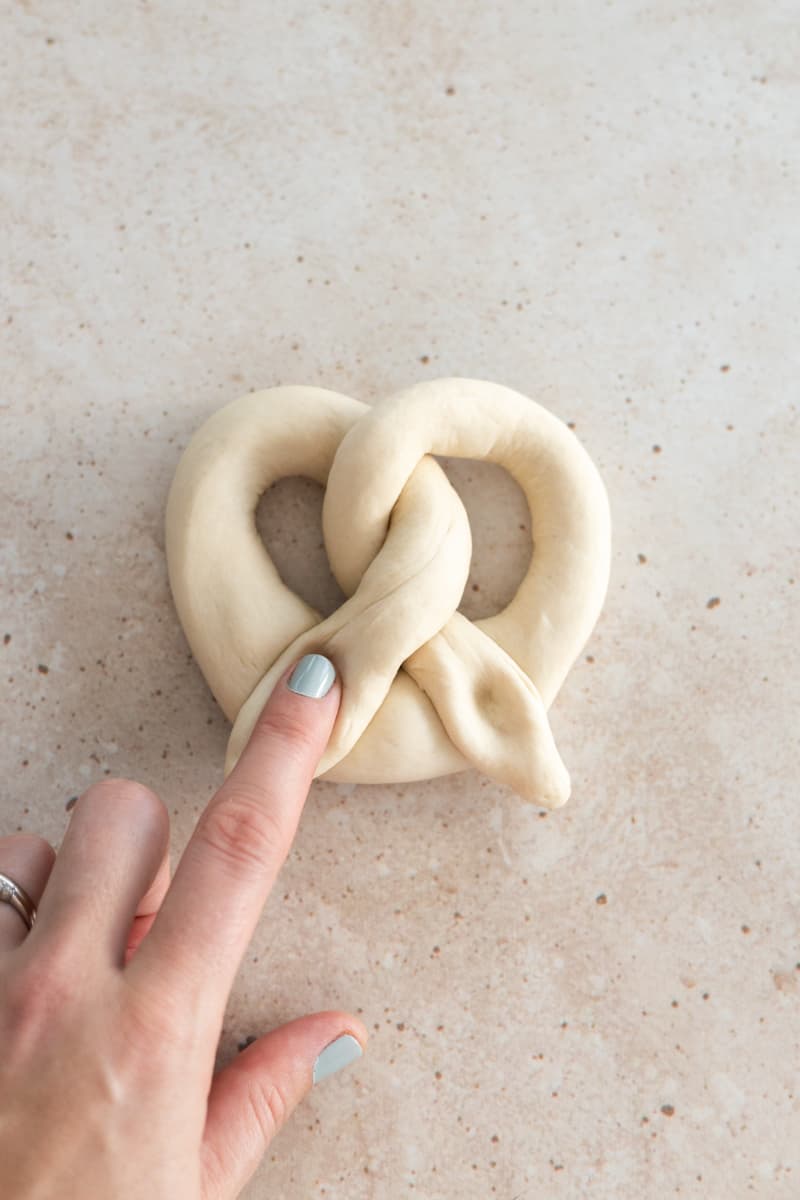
289, 522
501, 533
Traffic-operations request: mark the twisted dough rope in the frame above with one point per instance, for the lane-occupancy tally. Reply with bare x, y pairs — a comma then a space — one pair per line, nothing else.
425, 691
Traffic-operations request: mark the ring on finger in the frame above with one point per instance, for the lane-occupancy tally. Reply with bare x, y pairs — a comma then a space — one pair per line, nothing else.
14, 894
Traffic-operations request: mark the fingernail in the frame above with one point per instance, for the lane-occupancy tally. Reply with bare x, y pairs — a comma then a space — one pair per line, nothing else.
313, 676
339, 1054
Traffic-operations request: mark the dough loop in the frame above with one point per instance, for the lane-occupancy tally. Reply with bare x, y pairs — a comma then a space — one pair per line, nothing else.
425, 691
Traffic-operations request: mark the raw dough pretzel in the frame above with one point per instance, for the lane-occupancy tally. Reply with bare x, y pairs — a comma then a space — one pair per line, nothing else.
425, 691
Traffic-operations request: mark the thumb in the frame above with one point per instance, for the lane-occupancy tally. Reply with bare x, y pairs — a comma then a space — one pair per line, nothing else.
252, 1098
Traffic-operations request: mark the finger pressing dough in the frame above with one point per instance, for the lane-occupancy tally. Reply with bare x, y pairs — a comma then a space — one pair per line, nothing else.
424, 690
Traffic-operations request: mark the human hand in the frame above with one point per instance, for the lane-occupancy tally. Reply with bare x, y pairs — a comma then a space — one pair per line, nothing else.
111, 1007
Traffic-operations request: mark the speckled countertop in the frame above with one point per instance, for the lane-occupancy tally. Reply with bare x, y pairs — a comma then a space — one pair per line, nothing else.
595, 204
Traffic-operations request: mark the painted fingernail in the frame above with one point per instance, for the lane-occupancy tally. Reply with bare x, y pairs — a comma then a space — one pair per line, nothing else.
339, 1054
313, 676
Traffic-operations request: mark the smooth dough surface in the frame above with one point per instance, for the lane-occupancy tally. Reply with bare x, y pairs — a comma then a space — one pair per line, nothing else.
424, 690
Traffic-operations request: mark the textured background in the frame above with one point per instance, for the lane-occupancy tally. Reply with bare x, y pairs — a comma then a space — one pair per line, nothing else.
594, 203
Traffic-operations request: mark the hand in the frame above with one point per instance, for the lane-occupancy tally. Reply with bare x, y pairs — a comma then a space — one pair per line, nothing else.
112, 1006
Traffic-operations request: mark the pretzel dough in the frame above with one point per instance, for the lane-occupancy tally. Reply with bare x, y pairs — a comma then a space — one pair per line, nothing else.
425, 691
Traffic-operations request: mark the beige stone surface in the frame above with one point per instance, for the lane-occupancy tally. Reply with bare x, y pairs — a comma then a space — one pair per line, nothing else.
595, 204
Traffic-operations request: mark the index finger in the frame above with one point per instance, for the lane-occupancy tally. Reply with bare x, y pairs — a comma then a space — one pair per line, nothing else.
230, 863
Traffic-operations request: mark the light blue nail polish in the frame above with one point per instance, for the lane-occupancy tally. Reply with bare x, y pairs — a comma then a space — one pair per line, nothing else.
313, 676
335, 1056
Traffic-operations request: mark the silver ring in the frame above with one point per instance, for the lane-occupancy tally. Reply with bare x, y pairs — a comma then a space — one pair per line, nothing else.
11, 893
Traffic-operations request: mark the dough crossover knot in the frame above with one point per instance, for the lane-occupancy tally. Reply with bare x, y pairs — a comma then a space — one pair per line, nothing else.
425, 691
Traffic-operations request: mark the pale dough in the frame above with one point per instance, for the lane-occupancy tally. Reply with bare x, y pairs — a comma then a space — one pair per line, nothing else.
425, 691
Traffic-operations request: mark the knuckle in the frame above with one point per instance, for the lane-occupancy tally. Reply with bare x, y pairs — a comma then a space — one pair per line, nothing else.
40, 991
243, 831
155, 1017
269, 1107
286, 729
124, 793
